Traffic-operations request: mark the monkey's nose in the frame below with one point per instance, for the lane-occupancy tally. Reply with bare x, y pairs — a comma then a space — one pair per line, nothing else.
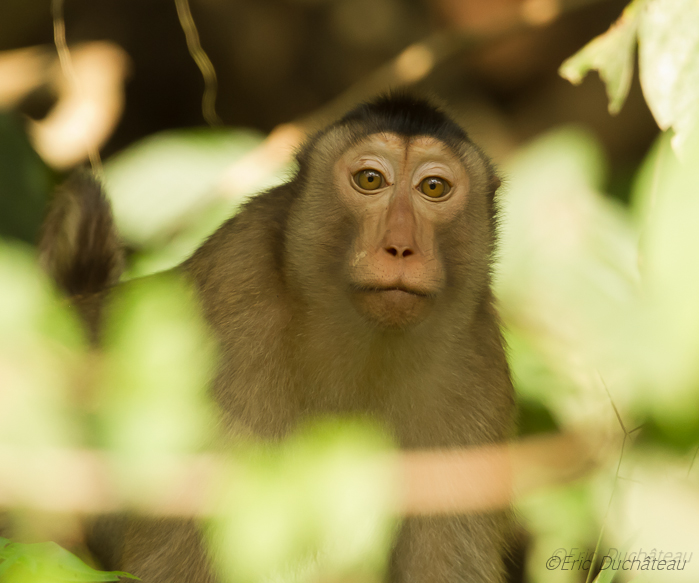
399, 251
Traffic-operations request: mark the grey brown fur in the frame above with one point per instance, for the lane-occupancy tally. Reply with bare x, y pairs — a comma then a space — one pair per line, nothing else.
275, 289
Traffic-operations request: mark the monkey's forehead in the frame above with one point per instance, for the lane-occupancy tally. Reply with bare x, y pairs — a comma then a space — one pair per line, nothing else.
396, 141
336, 142
339, 139
395, 147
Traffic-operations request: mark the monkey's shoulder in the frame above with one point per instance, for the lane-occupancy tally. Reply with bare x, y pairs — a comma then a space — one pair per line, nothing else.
262, 219
240, 265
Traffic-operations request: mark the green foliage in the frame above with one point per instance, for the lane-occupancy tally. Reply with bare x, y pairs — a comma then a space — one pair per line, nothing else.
40, 346
588, 288
47, 563
560, 520
669, 65
157, 183
315, 507
667, 204
600, 301
165, 191
566, 272
25, 182
153, 402
611, 54
668, 39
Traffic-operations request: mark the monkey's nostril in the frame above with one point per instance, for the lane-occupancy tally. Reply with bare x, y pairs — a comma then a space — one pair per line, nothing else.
399, 251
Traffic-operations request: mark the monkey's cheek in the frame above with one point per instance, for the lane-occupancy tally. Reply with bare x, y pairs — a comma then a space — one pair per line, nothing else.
392, 308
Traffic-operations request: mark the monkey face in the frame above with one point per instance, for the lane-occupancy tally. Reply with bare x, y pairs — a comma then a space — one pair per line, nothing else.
392, 219
399, 192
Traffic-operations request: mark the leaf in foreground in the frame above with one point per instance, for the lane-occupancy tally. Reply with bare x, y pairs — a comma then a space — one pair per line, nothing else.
47, 562
668, 40
611, 54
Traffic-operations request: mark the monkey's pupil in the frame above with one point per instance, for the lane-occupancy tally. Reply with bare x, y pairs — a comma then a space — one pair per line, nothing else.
369, 179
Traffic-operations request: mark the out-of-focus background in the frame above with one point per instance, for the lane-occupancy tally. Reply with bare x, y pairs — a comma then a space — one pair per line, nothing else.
184, 115
282, 60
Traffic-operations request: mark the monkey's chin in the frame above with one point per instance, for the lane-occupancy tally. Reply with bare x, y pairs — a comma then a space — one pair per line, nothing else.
394, 308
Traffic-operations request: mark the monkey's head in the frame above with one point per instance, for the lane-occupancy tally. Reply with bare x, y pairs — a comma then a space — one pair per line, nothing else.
394, 215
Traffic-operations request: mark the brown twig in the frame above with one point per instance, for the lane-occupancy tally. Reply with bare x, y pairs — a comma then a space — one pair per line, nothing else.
427, 482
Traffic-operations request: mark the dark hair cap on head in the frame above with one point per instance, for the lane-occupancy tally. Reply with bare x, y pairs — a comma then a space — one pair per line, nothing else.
407, 115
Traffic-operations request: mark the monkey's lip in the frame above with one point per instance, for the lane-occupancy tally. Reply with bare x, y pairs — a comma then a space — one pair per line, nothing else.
391, 306
392, 288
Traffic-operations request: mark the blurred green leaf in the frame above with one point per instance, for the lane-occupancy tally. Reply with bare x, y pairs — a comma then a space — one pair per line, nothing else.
659, 510
562, 522
41, 347
159, 182
669, 65
666, 202
668, 40
183, 243
25, 182
47, 563
315, 505
612, 54
542, 388
567, 278
609, 557
159, 356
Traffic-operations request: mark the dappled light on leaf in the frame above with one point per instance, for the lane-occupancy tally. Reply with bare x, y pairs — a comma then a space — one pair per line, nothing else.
154, 402
603, 320
658, 508
612, 54
560, 518
308, 508
567, 267
47, 563
183, 243
668, 51
156, 184
667, 205
40, 344
669, 66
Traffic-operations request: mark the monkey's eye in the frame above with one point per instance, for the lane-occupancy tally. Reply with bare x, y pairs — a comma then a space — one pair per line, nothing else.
369, 179
434, 187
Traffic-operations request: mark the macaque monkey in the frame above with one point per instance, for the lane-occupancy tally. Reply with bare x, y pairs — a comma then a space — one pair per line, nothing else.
361, 286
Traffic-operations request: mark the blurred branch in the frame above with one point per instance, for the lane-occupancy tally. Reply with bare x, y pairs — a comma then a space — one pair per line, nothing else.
428, 482
412, 65
72, 79
208, 100
22, 71
90, 88
490, 477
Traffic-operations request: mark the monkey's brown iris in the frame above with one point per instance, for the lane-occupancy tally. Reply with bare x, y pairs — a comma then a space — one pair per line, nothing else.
369, 179
434, 187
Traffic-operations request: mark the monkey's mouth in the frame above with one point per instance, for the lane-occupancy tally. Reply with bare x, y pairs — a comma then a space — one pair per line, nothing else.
393, 306
392, 288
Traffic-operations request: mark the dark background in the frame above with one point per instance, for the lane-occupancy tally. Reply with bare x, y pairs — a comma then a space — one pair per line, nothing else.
278, 60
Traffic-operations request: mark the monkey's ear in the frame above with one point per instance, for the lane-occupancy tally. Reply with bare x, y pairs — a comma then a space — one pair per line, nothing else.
79, 246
